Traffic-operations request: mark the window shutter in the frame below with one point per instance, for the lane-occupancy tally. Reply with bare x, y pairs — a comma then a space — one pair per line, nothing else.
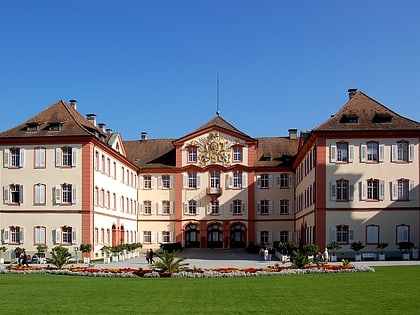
152, 208
351, 235
363, 153
258, 207
171, 207
20, 193
152, 237
6, 194
171, 182
257, 237
258, 181
278, 206
333, 152
6, 158
231, 207
21, 235
244, 179
73, 194
381, 152
22, 157
153, 182
291, 206
243, 207
171, 237
351, 153
394, 188
185, 207
198, 206
5, 236
363, 190
270, 181
159, 182
229, 181
159, 207
73, 235
270, 237
73, 156
270, 207
220, 209
160, 237
381, 190
57, 194
333, 234
58, 157
394, 153
185, 180
278, 180
140, 207
411, 152
333, 190
57, 236
290, 181
411, 192
351, 191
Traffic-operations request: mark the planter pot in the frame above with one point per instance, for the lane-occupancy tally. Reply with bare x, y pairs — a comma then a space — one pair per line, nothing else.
333, 258
114, 258
1, 260
106, 260
406, 256
381, 257
358, 257
86, 260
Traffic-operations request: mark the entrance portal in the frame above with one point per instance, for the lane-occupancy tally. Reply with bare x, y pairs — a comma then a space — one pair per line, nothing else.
192, 236
214, 236
237, 236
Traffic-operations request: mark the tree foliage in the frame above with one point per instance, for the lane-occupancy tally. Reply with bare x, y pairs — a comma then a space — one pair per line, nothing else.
60, 257
169, 262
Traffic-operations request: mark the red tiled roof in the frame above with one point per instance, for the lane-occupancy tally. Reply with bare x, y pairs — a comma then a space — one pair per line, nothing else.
276, 151
153, 153
363, 113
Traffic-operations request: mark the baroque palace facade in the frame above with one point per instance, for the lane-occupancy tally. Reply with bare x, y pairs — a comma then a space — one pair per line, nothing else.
68, 180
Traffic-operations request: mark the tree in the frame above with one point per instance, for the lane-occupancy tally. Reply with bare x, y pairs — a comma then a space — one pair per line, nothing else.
60, 256
333, 246
85, 248
357, 246
169, 263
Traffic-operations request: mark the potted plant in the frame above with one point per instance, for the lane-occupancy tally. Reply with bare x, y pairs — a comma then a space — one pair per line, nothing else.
310, 250
106, 250
86, 249
333, 246
2, 249
405, 248
286, 249
357, 247
381, 246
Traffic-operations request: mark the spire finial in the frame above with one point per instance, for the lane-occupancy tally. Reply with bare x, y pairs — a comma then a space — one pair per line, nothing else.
218, 104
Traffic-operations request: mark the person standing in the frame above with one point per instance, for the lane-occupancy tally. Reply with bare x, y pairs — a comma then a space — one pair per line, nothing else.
25, 259
150, 256
265, 254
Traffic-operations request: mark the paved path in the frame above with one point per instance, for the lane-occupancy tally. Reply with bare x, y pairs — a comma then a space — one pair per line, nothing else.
224, 258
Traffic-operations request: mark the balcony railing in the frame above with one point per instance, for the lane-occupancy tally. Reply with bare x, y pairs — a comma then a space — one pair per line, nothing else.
214, 191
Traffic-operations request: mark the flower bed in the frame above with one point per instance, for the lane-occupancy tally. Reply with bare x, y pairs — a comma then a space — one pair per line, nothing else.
187, 273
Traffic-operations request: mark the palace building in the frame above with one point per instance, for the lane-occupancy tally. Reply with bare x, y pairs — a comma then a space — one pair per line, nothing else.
68, 180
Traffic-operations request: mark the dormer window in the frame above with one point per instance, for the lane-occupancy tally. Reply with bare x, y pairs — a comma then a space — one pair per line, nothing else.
32, 128
382, 118
54, 127
349, 119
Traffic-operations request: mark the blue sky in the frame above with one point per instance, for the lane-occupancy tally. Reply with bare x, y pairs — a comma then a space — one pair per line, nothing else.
152, 65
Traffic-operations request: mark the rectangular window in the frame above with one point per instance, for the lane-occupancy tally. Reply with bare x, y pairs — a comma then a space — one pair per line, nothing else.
237, 153
214, 207
67, 156
342, 193
40, 157
237, 207
192, 155
403, 189
67, 192
192, 180
214, 179
147, 182
372, 234
166, 237
147, 207
67, 235
237, 179
15, 157
372, 152
166, 181
13, 194
192, 207
342, 234
166, 207
403, 233
342, 150
40, 235
147, 237
373, 189
284, 206
39, 194
264, 237
284, 180
264, 181
284, 236
264, 207
16, 234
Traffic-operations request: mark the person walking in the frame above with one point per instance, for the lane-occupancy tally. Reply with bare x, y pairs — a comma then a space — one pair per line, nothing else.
150, 255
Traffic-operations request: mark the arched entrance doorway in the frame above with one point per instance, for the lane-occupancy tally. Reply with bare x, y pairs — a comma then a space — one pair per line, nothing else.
192, 236
237, 236
214, 236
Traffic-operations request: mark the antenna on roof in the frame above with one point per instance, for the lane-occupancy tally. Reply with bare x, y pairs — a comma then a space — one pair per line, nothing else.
218, 104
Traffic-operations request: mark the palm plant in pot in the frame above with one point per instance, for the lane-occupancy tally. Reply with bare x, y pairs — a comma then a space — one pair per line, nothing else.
381, 246
86, 249
405, 248
333, 246
2, 249
357, 247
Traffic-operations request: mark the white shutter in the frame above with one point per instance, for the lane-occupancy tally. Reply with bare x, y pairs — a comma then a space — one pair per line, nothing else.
363, 190
171, 207
171, 237
244, 179
159, 207
258, 181
243, 207
73, 235
351, 191
278, 180
141, 207
363, 153
185, 180
351, 235
197, 207
198, 180
381, 190
333, 152
171, 182
20, 193
220, 209
5, 235
258, 207
152, 237
73, 157
6, 194
159, 237
231, 207
228, 181
290, 181
141, 182
152, 182
394, 153
270, 207
21, 235
73, 194
57, 236
152, 208
6, 158
159, 182
58, 157
185, 207
257, 237
394, 188
411, 192
381, 152
333, 190
333, 234
22, 157
351, 153
270, 237
270, 181
57, 194
411, 152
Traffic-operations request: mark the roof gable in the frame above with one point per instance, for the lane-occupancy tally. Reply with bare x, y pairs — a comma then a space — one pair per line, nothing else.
363, 113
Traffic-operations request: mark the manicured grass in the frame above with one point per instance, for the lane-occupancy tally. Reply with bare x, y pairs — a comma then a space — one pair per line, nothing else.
389, 290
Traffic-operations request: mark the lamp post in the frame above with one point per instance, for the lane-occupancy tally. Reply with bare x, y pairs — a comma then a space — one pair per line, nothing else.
76, 249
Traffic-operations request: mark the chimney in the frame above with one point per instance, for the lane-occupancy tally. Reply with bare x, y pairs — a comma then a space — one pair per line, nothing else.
108, 130
73, 104
352, 92
292, 134
143, 136
101, 127
91, 118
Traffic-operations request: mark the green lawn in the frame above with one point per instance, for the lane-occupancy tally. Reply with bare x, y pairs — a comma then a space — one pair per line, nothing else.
390, 290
